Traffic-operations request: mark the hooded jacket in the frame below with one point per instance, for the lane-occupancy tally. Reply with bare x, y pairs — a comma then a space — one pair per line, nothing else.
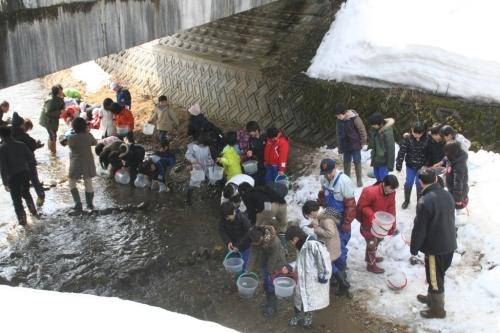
382, 144
276, 152
327, 231
457, 176
15, 157
52, 108
372, 200
231, 162
412, 152
351, 133
434, 225
164, 118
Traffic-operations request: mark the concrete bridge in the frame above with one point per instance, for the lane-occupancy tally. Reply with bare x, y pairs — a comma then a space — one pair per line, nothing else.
38, 37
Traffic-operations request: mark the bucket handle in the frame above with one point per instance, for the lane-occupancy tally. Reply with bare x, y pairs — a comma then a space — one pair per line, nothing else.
231, 252
278, 176
248, 274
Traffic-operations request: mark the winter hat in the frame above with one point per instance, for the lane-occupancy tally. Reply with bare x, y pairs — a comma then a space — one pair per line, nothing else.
114, 86
17, 120
195, 109
376, 119
326, 166
339, 108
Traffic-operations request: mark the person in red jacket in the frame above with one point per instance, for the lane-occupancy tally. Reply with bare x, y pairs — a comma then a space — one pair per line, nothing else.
378, 197
123, 119
275, 154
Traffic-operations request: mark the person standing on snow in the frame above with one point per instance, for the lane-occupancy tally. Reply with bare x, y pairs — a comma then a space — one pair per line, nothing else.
449, 134
16, 161
412, 152
434, 234
380, 197
382, 144
457, 174
49, 118
312, 291
123, 96
351, 137
337, 191
275, 154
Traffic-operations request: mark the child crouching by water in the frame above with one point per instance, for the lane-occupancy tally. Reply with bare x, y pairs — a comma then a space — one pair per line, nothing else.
81, 163
157, 167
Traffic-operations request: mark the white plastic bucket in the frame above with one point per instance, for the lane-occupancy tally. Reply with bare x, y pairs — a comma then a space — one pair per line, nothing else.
233, 264
197, 175
396, 280
284, 286
283, 180
382, 224
122, 130
247, 284
148, 129
122, 176
142, 181
215, 173
250, 167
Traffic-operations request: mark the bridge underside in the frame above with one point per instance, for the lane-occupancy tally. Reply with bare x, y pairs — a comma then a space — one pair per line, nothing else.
36, 41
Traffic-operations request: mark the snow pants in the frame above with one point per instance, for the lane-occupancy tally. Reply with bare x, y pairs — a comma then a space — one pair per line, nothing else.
435, 269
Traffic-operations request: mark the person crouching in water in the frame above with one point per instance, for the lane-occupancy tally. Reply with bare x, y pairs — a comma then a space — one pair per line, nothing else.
268, 256
81, 162
157, 166
412, 152
324, 222
233, 227
313, 270
132, 156
104, 149
380, 197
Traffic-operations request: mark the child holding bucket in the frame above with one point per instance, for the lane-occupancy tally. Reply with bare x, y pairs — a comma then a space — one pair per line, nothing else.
313, 269
380, 197
233, 227
230, 159
198, 154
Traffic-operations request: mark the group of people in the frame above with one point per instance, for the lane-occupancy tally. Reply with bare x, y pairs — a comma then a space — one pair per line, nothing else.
253, 207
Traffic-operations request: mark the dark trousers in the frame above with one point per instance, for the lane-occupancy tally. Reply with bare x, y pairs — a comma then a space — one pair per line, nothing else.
435, 269
19, 185
37, 185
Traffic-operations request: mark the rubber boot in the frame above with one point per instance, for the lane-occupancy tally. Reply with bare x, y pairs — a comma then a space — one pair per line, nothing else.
371, 265
347, 168
296, 319
436, 307
40, 201
424, 299
407, 197
189, 197
378, 259
31, 207
52, 147
271, 305
359, 174
21, 218
308, 320
76, 199
89, 197
344, 285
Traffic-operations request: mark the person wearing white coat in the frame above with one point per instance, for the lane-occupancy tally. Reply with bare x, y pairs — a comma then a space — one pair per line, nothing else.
313, 270
198, 154
107, 125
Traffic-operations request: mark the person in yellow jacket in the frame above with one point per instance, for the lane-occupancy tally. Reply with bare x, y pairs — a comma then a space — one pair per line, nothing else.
230, 159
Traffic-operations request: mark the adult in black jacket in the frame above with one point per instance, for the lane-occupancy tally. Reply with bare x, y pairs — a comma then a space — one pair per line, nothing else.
265, 207
196, 121
434, 234
457, 174
105, 158
16, 161
434, 153
233, 229
133, 155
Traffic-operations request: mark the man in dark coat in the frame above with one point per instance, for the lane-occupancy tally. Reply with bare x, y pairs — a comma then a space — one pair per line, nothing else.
457, 174
16, 160
434, 234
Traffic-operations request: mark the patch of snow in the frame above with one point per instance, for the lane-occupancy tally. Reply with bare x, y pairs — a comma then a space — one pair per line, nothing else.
472, 281
92, 75
446, 47
30, 310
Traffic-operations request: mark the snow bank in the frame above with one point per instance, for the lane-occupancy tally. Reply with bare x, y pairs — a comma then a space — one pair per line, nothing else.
30, 310
473, 280
92, 75
446, 46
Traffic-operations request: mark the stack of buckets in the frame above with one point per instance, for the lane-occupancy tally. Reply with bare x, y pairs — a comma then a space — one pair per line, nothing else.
382, 224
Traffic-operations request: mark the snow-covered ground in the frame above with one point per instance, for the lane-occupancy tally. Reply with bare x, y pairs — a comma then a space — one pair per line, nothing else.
30, 310
473, 280
445, 46
92, 75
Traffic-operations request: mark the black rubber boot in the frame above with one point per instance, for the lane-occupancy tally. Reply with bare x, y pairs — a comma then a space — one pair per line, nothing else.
76, 199
89, 197
423, 299
359, 174
343, 284
21, 218
347, 168
271, 305
407, 197
308, 320
436, 307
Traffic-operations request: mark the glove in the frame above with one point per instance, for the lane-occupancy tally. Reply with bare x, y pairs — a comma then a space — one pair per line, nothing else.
346, 227
365, 147
323, 281
321, 198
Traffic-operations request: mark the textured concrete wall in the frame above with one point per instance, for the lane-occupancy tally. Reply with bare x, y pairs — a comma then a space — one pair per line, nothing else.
38, 41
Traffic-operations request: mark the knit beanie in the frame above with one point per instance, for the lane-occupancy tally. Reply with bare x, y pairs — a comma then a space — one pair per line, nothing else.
195, 109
